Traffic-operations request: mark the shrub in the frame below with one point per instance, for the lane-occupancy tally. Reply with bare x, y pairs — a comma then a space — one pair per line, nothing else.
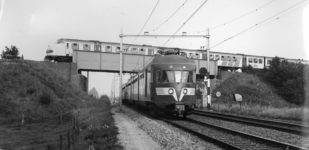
45, 98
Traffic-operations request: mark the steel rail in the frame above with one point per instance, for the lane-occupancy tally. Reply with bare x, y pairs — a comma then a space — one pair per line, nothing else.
281, 126
265, 140
220, 143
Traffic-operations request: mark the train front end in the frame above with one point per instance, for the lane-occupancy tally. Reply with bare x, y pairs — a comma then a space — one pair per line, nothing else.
174, 84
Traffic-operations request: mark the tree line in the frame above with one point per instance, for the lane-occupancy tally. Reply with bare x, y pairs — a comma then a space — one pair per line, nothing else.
289, 79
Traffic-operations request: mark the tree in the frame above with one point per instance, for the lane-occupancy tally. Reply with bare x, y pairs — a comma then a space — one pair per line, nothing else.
288, 78
10, 53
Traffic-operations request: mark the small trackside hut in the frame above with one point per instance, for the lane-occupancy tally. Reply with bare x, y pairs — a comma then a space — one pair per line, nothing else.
166, 84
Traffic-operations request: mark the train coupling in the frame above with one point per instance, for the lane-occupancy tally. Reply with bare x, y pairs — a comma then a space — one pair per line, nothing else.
180, 108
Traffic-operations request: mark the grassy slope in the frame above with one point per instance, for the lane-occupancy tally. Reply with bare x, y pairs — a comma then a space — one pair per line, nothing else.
36, 91
258, 99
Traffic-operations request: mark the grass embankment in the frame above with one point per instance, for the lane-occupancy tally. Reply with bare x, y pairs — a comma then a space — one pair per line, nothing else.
35, 92
258, 99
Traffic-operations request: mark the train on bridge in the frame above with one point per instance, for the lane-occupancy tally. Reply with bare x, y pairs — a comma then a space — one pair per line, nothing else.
62, 49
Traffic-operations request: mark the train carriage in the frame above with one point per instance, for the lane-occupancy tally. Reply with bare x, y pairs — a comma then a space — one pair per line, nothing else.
62, 50
167, 84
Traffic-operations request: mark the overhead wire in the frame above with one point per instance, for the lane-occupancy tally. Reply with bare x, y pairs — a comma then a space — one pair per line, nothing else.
170, 16
185, 22
255, 10
143, 28
264, 22
146, 21
237, 18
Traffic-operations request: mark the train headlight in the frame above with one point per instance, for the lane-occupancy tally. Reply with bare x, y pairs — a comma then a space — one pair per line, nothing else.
185, 91
170, 91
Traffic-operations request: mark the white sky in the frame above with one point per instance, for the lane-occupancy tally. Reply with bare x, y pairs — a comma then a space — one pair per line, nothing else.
32, 25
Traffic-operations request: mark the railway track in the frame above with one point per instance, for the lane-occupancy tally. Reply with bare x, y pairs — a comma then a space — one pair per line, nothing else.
227, 138
277, 125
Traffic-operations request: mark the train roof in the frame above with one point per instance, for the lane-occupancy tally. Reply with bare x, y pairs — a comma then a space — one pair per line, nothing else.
172, 59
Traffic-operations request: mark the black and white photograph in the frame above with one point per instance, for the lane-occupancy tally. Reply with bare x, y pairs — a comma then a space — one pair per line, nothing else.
154, 74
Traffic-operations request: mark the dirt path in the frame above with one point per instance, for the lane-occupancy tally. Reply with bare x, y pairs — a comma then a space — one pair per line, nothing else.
130, 135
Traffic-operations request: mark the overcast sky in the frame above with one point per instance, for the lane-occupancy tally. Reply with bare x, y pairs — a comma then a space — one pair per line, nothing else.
32, 25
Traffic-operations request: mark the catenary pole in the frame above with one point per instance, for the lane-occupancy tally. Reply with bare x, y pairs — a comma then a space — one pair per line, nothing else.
120, 72
208, 70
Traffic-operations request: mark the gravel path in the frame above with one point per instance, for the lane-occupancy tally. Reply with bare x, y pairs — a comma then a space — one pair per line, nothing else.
130, 136
167, 137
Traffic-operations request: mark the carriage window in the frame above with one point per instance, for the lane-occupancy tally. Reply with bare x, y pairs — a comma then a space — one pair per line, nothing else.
197, 55
228, 58
134, 50
150, 51
204, 56
250, 60
108, 48
217, 57
97, 47
260, 61
268, 61
255, 60
222, 58
211, 57
118, 49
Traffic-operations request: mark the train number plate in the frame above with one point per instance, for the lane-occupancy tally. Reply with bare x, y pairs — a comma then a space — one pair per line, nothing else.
180, 107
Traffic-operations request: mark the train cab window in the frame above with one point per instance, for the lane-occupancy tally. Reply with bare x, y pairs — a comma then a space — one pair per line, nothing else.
75, 46
108, 48
134, 50
250, 60
255, 60
260, 61
174, 76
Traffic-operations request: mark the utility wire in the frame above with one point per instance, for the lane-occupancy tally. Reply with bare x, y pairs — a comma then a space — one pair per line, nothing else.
144, 27
170, 16
261, 23
146, 21
255, 10
186, 21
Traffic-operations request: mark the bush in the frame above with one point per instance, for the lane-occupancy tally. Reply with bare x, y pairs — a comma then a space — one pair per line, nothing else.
288, 79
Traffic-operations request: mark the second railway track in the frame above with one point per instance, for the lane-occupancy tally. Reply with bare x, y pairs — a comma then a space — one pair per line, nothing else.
231, 139
280, 126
